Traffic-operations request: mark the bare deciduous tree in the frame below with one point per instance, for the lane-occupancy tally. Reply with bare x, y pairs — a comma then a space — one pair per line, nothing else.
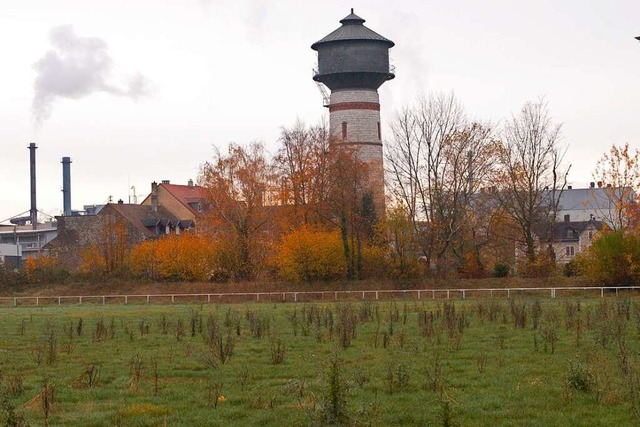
532, 175
437, 160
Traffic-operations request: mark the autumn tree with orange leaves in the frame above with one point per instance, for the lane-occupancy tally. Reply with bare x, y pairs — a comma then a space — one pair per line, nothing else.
109, 252
303, 163
619, 172
351, 206
238, 185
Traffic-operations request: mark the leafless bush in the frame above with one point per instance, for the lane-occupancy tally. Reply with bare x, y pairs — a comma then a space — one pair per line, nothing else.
195, 322
571, 313
79, 327
214, 393
347, 324
277, 350
433, 375
13, 384
550, 337
365, 311
136, 366
259, 325
292, 317
101, 333
536, 313
179, 330
244, 376
69, 345
143, 327
12, 417
502, 337
233, 320
154, 373
397, 377
217, 350
481, 362
22, 327
51, 343
164, 324
519, 313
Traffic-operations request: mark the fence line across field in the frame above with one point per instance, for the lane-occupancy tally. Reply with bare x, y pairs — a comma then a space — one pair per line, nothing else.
312, 296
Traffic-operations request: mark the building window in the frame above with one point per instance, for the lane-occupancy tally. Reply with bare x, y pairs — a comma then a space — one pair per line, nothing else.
379, 132
569, 251
344, 130
590, 234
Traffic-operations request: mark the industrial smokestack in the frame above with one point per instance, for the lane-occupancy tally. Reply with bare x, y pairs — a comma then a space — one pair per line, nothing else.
33, 212
66, 185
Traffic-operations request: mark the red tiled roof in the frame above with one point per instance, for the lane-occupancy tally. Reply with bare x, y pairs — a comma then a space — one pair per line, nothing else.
185, 194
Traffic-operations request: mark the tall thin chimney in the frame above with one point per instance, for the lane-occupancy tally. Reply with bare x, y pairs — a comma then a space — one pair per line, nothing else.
66, 185
33, 212
154, 196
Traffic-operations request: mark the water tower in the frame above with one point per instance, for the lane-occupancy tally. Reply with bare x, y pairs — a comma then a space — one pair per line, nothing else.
353, 62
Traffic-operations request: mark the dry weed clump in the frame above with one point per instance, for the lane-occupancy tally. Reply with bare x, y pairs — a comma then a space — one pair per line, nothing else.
89, 378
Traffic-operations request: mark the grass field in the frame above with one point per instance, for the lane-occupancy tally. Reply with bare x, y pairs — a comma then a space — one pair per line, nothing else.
476, 362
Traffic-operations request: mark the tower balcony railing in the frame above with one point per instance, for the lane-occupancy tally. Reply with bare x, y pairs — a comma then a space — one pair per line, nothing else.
315, 71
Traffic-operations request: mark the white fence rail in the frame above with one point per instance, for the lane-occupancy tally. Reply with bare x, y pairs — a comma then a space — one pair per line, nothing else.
314, 296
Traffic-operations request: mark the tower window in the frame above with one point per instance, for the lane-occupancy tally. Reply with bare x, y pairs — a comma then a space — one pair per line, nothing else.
379, 132
344, 130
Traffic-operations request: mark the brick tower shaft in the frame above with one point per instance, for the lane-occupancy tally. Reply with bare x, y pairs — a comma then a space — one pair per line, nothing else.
354, 121
353, 62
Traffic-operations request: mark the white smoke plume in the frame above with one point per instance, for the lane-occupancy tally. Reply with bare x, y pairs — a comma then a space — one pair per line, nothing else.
74, 68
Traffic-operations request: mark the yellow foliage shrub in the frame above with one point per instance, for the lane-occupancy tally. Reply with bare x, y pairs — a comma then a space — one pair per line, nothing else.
186, 257
144, 260
44, 269
92, 261
307, 255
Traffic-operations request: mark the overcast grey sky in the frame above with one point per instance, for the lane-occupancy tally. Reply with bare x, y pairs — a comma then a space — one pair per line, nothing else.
137, 91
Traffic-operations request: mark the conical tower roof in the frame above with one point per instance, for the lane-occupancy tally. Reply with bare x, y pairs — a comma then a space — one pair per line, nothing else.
352, 29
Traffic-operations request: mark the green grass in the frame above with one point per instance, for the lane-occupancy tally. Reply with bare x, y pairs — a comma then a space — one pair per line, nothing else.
491, 373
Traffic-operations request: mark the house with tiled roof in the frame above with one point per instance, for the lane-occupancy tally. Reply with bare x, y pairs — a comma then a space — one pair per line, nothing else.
599, 202
573, 237
567, 238
119, 224
183, 201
